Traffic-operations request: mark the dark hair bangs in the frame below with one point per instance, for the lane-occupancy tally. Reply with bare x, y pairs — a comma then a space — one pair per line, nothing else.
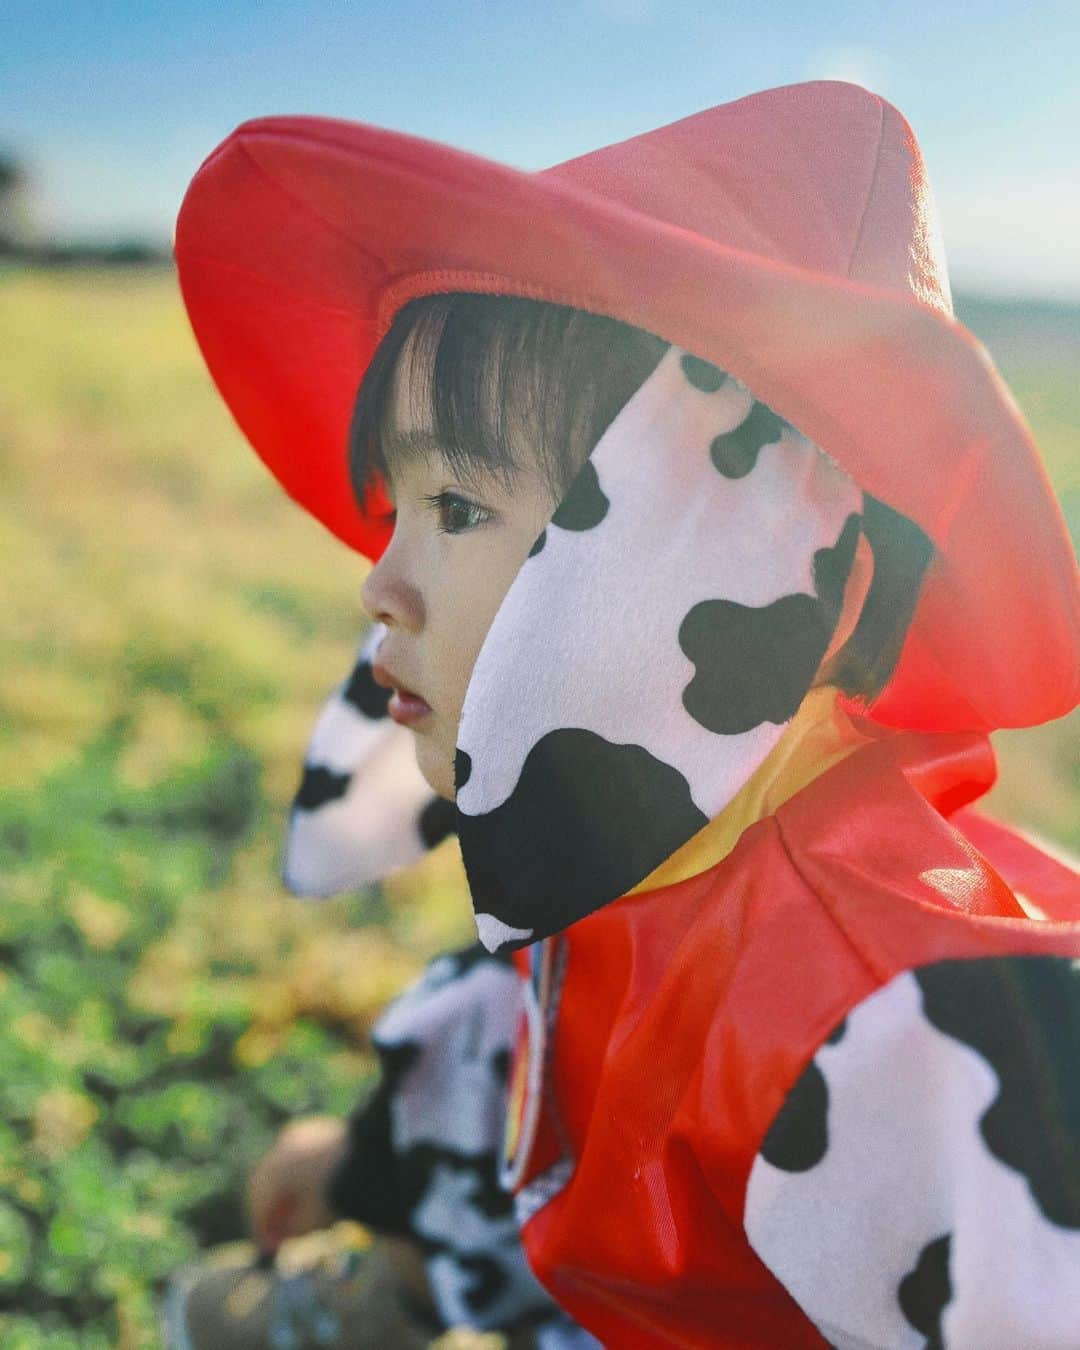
502, 384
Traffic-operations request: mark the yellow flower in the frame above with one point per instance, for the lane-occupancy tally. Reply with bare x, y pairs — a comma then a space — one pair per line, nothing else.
62, 1120
255, 1047
462, 1338
102, 922
34, 1028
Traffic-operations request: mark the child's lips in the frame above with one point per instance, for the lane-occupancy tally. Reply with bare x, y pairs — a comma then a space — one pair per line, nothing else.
404, 706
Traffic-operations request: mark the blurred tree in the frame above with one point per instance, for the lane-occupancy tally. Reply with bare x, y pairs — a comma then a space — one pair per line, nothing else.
17, 230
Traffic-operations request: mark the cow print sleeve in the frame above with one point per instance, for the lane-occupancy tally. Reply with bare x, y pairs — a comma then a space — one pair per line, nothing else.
920, 1186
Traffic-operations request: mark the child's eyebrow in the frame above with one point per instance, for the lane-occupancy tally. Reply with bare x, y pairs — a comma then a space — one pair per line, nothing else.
399, 447
473, 466
396, 444
402, 447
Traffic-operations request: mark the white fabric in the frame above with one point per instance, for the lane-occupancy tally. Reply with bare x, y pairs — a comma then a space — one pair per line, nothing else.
372, 829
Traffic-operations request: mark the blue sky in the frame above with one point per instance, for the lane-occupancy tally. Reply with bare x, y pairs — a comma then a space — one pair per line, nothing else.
115, 104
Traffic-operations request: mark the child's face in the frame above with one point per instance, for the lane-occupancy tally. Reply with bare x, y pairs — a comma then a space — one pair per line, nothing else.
454, 551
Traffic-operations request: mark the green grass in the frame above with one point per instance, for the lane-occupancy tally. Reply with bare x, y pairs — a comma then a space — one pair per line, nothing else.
170, 625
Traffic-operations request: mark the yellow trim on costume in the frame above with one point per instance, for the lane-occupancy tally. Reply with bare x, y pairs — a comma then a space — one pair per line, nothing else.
817, 737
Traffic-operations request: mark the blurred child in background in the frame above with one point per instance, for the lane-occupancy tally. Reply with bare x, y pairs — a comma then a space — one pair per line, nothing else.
417, 1162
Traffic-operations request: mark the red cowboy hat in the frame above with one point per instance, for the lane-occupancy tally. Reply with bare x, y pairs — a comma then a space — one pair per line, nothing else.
788, 237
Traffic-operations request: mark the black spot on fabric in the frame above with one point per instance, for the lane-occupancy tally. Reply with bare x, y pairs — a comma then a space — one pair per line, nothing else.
364, 1183
483, 1191
462, 769
565, 862
364, 694
437, 820
541, 540
752, 665
466, 959
500, 1065
319, 786
396, 1060
1022, 1014
755, 665
735, 453
837, 1034
799, 1136
367, 1184
486, 1192
924, 1294
702, 374
584, 506
487, 1280
381, 1183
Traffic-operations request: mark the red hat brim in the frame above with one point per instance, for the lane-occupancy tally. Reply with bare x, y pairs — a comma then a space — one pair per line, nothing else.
300, 237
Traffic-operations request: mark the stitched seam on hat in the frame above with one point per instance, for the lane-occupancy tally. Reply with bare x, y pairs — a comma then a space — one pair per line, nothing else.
306, 206
405, 160
870, 188
409, 285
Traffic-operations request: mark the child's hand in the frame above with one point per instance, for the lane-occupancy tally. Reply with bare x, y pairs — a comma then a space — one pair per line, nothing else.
286, 1185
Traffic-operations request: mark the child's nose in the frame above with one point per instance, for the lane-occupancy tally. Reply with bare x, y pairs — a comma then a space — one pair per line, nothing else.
391, 598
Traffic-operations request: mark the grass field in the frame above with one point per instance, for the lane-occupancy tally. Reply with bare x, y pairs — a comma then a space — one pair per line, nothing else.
170, 624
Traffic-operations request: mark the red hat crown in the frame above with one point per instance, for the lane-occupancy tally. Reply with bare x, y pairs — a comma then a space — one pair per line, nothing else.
851, 162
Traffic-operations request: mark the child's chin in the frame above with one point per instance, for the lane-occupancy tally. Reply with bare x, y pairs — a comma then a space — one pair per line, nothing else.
437, 769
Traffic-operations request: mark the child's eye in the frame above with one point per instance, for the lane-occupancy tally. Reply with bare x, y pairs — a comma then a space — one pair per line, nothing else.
457, 514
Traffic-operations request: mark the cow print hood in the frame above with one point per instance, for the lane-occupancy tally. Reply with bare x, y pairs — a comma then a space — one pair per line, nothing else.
659, 637
363, 809
649, 654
